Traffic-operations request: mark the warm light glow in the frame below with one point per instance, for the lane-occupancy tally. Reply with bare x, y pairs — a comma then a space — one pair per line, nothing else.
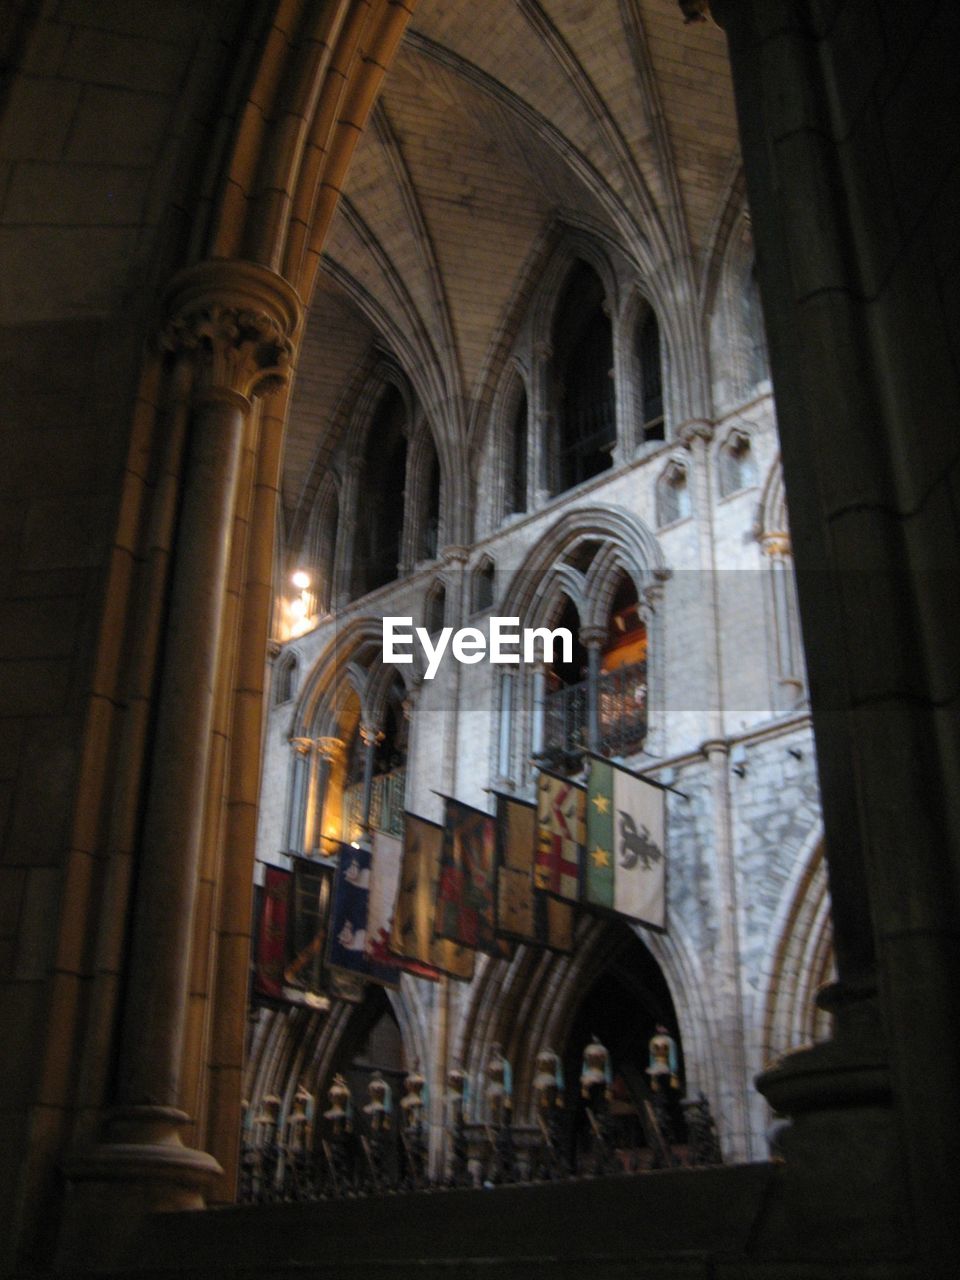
298, 608
354, 844
301, 580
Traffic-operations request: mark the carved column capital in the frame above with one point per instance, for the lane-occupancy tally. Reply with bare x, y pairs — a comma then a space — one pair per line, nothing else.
331, 749
370, 735
593, 637
776, 545
241, 321
302, 746
695, 429
454, 554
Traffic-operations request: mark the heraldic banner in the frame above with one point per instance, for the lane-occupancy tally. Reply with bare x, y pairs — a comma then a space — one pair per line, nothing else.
625, 864
347, 947
412, 936
561, 810
466, 894
312, 887
524, 912
271, 951
384, 884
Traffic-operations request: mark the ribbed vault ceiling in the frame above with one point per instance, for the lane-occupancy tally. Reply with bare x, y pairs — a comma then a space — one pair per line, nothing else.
498, 121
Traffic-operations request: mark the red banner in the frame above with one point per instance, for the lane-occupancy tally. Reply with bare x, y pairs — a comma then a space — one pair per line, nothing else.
271, 940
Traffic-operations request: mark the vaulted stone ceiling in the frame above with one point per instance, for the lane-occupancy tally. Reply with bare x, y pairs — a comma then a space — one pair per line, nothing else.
499, 121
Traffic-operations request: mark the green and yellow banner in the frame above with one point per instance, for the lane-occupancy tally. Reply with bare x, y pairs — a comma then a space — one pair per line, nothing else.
625, 864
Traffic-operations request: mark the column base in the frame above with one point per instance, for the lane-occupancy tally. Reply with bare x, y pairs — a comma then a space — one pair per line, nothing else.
141, 1167
843, 1178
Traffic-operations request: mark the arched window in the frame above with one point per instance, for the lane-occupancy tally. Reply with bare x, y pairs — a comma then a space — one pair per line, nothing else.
622, 690
381, 495
598, 700
565, 698
389, 772
651, 376
738, 468
515, 458
583, 360
673, 495
286, 679
483, 584
435, 608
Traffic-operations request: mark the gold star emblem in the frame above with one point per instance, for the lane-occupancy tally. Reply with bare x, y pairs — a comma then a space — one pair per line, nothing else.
602, 802
601, 857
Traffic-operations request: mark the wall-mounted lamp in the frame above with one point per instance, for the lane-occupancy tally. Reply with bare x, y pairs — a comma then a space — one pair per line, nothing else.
738, 759
300, 608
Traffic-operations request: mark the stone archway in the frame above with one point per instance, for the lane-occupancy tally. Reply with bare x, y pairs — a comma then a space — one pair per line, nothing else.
185, 749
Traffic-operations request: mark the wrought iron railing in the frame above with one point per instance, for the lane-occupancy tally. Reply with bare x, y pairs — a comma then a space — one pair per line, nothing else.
621, 715
283, 1160
565, 722
622, 709
386, 804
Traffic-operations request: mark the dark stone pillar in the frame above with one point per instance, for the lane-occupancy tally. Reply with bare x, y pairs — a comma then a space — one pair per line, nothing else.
844, 118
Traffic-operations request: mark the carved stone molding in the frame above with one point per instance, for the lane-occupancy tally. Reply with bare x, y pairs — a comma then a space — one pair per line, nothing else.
240, 319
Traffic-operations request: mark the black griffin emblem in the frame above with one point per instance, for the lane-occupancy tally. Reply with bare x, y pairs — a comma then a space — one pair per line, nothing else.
636, 845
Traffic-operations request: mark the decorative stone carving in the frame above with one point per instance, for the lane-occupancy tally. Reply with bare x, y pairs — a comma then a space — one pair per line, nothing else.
240, 319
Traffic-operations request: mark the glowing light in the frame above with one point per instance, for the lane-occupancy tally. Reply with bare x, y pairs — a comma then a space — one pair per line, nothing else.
301, 580
354, 844
298, 608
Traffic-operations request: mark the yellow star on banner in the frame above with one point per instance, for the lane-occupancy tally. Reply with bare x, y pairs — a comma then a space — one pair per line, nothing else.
602, 803
601, 857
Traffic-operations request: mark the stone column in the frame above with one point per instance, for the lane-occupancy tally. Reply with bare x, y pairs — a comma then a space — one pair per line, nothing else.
508, 681
541, 441
237, 320
371, 737
697, 435
776, 548
857, 337
539, 686
342, 586
328, 752
299, 793
593, 639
